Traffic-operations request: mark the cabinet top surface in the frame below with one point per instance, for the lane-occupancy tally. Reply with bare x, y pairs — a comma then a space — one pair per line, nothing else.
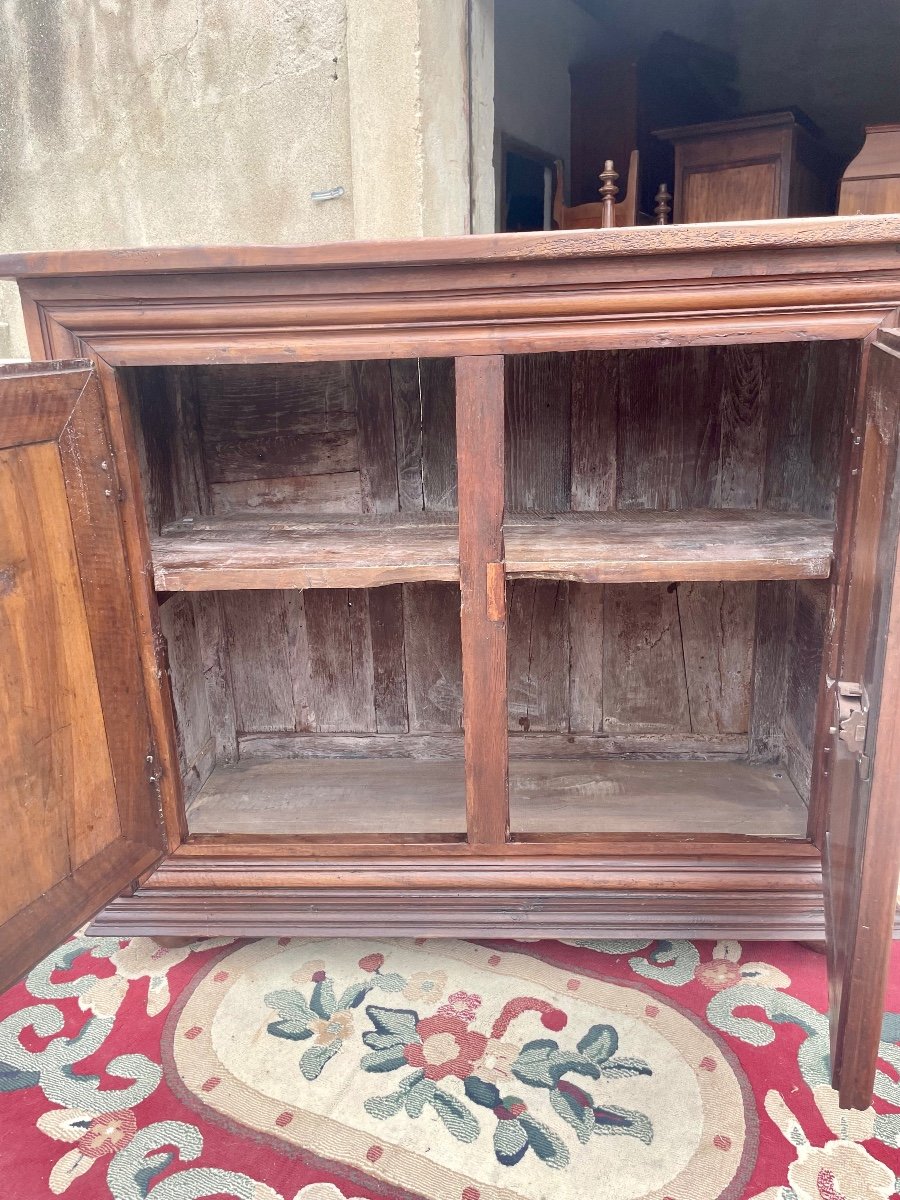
763, 236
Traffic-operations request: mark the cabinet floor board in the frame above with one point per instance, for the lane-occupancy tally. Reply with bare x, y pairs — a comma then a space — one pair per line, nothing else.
406, 796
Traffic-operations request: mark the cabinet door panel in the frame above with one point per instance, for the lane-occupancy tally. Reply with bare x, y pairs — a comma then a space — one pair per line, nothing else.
76, 798
862, 841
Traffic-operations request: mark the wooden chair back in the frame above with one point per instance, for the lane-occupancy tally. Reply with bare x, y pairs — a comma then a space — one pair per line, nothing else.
604, 213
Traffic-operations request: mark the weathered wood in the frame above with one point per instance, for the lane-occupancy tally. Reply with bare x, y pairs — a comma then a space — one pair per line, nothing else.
342, 681
267, 398
693, 545
186, 675
480, 459
537, 438
585, 658
389, 659
717, 624
595, 404
301, 494
438, 396
804, 670
302, 553
684, 746
653, 798
407, 399
407, 796
644, 684
317, 796
774, 623
305, 450
624, 547
668, 431
371, 384
211, 634
434, 670
745, 410
538, 655
257, 637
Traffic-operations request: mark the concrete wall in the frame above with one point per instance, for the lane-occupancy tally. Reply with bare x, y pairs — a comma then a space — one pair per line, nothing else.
202, 121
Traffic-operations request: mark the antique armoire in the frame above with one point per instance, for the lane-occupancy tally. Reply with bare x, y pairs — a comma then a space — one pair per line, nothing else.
538, 584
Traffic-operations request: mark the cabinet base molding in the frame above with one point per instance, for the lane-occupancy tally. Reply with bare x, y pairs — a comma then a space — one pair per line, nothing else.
772, 916
774, 898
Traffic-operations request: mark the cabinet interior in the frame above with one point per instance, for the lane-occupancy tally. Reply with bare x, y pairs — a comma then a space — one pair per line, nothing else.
668, 537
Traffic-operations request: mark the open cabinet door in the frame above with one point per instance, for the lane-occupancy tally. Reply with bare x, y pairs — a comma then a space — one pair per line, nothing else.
862, 841
78, 802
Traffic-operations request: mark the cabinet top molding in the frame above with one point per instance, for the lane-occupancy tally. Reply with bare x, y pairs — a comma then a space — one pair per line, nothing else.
806, 233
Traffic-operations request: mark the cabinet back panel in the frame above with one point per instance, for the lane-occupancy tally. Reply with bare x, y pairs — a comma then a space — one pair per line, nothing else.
748, 426
733, 427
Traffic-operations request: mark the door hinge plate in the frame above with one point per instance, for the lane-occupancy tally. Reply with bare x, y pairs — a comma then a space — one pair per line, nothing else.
851, 719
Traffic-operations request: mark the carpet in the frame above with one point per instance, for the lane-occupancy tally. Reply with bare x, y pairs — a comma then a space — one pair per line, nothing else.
296, 1069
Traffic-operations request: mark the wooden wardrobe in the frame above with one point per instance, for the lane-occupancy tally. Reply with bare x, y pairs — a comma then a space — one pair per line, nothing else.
536, 584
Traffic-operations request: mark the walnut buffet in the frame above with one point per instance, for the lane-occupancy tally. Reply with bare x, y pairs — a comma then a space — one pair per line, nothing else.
528, 584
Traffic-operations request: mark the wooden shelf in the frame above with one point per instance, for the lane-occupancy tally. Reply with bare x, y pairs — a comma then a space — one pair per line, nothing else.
642, 546
213, 553
353, 551
420, 797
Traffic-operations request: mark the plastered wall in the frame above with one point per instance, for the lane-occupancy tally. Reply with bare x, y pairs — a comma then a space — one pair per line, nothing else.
171, 122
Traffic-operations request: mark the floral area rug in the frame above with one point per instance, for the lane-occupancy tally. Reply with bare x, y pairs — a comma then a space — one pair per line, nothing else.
296, 1069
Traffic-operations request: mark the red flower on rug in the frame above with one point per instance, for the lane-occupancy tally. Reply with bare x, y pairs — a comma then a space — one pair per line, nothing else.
447, 1047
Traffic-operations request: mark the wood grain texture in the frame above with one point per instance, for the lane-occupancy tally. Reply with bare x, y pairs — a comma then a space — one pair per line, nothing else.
585, 658
438, 400
862, 860
480, 459
321, 796
416, 796
371, 385
774, 626
74, 733
717, 625
645, 686
187, 677
653, 798
538, 655
692, 545
683, 746
259, 653
537, 438
299, 552
624, 547
342, 680
59, 795
434, 662
389, 659
594, 426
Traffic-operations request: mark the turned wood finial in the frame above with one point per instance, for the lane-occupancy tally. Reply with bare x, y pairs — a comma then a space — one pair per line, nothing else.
663, 208
608, 193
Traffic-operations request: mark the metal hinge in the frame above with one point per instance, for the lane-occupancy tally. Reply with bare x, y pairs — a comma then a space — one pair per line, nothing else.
851, 720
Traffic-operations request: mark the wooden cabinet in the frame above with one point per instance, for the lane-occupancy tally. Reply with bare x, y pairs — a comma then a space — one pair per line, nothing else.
534, 584
871, 183
750, 169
